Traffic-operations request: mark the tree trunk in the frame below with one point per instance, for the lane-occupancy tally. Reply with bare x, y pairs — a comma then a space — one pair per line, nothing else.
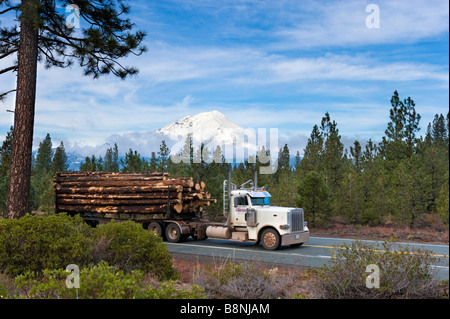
17, 203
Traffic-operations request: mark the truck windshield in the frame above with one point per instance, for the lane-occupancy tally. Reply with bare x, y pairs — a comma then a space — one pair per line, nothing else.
260, 201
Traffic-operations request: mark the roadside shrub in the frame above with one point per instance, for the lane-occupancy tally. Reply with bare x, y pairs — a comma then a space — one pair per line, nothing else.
241, 281
128, 246
405, 272
34, 243
100, 281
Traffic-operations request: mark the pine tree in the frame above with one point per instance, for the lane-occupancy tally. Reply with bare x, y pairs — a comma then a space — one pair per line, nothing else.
284, 159
442, 202
42, 34
153, 164
400, 140
297, 160
332, 154
409, 191
5, 163
5, 154
313, 197
356, 155
44, 156
91, 164
411, 125
59, 163
111, 161
133, 162
313, 151
163, 153
439, 130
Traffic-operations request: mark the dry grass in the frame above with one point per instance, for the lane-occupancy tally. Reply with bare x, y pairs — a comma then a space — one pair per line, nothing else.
429, 235
261, 280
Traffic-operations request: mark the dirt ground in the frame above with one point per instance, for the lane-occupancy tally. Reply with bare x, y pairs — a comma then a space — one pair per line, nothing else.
395, 233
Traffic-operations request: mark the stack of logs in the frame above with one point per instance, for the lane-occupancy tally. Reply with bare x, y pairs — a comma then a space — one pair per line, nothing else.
130, 193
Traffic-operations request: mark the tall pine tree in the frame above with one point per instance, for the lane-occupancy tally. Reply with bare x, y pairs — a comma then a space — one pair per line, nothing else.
43, 34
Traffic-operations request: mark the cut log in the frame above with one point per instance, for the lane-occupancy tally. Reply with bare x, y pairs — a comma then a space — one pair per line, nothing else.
118, 190
157, 209
154, 195
123, 202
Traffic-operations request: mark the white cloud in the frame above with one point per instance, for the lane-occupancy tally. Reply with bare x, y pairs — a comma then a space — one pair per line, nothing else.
342, 24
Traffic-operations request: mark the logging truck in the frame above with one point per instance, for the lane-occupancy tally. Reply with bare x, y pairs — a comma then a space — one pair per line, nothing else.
172, 207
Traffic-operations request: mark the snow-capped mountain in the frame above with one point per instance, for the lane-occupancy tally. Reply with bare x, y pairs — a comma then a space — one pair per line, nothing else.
212, 128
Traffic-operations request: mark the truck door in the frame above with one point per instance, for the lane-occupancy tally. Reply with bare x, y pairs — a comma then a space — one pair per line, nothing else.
240, 208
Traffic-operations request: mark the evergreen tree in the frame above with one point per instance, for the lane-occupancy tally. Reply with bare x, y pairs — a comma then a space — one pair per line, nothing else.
332, 154
5, 162
313, 151
350, 197
59, 163
313, 197
284, 159
163, 153
297, 161
153, 164
134, 163
356, 155
411, 125
409, 190
439, 130
43, 34
111, 161
400, 140
44, 156
91, 164
5, 154
442, 202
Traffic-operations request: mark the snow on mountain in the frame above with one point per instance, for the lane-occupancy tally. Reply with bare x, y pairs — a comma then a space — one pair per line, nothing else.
210, 128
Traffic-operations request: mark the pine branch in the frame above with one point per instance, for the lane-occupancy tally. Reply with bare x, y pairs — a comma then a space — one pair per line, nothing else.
9, 9
8, 53
2, 95
11, 68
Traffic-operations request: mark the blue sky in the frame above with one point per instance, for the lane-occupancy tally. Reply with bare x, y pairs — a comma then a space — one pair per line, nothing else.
271, 64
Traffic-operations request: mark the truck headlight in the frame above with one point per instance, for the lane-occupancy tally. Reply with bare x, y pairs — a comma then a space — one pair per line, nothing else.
284, 226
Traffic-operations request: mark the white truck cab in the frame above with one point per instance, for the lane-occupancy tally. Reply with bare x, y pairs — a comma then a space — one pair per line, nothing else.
252, 218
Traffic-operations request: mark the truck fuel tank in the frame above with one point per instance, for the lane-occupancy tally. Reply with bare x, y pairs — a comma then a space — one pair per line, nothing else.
218, 232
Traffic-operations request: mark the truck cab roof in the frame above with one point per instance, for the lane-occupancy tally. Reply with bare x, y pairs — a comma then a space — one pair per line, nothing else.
251, 193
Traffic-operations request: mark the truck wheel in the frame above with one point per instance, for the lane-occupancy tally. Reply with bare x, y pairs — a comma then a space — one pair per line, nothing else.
173, 233
157, 228
270, 239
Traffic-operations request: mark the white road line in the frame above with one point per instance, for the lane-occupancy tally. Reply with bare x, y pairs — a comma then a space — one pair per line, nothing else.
252, 251
379, 241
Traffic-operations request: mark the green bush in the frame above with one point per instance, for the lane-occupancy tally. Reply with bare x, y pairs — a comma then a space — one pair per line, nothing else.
34, 243
101, 281
128, 246
404, 272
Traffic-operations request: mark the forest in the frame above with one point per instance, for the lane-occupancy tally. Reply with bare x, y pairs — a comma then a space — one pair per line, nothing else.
401, 180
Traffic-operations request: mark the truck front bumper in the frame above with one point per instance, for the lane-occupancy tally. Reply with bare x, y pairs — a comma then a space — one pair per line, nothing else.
295, 238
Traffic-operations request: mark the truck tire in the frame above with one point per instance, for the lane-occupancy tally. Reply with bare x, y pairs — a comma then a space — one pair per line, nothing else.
157, 228
173, 233
270, 239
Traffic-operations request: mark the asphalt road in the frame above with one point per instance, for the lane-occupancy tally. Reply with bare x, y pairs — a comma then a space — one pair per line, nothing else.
314, 253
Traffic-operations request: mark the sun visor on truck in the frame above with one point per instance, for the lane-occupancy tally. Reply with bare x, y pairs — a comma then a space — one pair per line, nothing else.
259, 194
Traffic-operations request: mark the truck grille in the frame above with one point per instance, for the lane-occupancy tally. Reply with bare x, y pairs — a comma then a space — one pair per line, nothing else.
296, 220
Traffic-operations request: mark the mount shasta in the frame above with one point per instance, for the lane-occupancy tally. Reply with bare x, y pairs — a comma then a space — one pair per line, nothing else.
210, 128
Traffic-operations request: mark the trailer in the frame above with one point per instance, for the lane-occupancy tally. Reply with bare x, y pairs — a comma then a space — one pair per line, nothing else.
172, 207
